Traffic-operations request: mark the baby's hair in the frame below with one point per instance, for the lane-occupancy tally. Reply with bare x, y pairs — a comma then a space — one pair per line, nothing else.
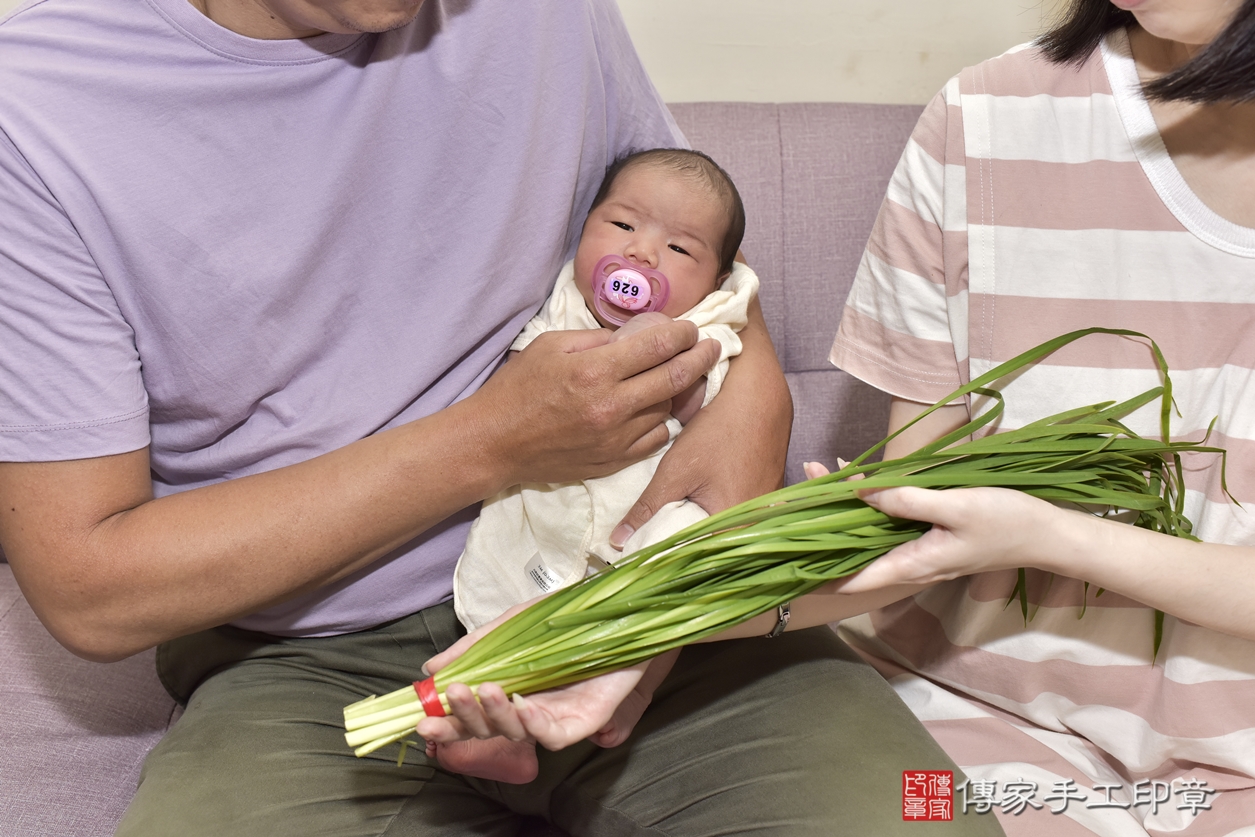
696, 165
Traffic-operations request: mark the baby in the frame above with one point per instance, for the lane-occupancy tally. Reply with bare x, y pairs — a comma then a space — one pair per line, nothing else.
659, 242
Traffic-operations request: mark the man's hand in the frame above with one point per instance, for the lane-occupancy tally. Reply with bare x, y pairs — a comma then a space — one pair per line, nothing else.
575, 404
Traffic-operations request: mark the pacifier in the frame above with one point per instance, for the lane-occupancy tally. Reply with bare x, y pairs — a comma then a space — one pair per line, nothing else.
621, 290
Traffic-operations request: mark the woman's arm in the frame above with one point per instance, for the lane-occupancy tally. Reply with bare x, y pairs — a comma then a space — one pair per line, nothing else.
980, 529
560, 717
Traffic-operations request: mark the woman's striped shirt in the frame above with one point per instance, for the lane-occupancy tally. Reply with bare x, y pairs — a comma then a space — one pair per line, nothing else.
1034, 199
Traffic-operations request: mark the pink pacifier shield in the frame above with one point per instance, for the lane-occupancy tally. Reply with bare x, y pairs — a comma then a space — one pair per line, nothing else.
622, 289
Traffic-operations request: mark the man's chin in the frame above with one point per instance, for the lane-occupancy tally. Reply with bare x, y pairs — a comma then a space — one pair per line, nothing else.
354, 21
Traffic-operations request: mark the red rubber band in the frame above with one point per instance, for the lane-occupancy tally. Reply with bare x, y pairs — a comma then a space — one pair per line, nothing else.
429, 698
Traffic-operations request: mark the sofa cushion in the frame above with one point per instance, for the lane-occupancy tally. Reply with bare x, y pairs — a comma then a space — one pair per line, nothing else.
75, 733
837, 161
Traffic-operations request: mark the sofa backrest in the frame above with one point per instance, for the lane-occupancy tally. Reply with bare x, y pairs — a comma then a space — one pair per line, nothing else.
812, 177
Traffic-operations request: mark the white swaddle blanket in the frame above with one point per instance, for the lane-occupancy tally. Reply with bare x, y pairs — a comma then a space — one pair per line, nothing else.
537, 537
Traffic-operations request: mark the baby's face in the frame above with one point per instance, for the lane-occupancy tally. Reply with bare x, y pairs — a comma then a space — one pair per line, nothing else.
661, 220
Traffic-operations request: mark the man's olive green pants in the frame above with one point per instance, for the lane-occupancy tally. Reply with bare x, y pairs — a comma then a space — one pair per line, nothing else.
790, 736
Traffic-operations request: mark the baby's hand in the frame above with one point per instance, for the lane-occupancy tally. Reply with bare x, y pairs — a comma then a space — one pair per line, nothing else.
685, 405
639, 323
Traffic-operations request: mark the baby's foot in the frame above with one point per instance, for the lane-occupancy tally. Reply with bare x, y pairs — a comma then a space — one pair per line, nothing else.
497, 759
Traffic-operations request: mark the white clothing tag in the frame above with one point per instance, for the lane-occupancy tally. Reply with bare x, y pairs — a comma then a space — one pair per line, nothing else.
541, 576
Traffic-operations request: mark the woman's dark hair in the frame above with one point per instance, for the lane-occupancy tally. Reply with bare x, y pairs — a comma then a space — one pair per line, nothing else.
693, 164
1224, 70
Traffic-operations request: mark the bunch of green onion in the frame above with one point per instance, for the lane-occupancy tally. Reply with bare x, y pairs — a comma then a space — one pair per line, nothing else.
756, 556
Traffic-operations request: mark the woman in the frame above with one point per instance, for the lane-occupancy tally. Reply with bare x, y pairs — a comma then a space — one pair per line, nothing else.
1104, 176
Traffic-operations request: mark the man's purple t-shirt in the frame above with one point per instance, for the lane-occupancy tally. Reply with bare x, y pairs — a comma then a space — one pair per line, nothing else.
247, 253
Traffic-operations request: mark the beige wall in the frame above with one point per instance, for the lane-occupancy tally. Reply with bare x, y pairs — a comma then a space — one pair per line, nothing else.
899, 51
816, 50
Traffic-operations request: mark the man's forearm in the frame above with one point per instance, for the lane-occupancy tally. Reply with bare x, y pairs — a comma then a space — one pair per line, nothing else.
149, 570
759, 379
756, 398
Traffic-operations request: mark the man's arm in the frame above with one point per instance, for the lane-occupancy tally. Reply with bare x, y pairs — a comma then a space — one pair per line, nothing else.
734, 448
111, 571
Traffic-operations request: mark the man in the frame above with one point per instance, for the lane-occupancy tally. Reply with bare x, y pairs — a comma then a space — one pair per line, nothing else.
264, 256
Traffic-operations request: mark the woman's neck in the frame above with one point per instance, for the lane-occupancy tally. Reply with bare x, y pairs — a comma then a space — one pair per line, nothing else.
1212, 145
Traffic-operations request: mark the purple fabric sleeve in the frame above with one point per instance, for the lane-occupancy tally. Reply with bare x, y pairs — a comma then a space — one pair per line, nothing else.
70, 382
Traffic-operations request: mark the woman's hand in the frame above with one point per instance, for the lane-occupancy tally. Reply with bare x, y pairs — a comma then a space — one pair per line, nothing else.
978, 529
974, 530
505, 760
629, 711
554, 719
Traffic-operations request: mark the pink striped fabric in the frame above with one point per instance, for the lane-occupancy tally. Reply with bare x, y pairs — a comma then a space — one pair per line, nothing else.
1032, 200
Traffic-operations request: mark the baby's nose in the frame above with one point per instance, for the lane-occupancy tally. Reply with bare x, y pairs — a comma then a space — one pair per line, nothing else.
641, 252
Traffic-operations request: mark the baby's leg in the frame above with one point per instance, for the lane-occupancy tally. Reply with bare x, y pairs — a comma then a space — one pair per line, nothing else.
497, 759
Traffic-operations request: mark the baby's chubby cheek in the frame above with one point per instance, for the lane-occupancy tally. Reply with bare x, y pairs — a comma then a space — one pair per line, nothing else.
639, 323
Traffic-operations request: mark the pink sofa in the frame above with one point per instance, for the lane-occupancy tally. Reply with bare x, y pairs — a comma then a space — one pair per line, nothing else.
73, 734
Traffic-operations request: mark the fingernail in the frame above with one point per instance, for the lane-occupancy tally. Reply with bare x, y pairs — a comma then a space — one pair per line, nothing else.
521, 703
620, 535
424, 670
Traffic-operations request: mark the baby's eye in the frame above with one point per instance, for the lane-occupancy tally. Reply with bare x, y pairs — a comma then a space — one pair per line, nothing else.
677, 248
622, 225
